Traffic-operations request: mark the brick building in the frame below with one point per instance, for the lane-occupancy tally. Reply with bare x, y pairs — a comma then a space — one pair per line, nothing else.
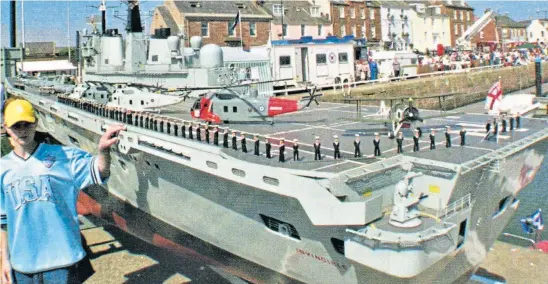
511, 32
356, 17
212, 20
488, 37
461, 17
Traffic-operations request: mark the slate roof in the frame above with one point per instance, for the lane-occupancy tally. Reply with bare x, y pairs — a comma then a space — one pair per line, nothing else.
296, 13
166, 15
504, 21
250, 8
456, 4
398, 4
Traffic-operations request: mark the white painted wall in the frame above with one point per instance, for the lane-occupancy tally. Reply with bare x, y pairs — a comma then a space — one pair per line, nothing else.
537, 31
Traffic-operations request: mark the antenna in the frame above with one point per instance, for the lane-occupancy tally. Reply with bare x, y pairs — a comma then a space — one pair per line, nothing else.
103, 9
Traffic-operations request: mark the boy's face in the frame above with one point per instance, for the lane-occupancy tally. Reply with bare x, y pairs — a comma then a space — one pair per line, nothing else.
22, 132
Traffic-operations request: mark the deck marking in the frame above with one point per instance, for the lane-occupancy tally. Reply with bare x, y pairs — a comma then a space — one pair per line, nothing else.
479, 148
329, 166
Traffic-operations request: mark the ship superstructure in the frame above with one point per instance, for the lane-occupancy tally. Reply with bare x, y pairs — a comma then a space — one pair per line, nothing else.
164, 61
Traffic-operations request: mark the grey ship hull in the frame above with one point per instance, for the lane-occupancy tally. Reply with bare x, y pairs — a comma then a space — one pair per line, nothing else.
220, 208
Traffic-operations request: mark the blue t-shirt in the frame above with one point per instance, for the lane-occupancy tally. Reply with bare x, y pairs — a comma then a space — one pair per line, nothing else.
38, 204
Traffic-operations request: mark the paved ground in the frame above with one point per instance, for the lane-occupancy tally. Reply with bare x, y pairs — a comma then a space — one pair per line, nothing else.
120, 258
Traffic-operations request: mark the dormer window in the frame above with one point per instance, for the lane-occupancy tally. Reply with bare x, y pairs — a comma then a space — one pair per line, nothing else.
194, 4
240, 5
277, 9
315, 11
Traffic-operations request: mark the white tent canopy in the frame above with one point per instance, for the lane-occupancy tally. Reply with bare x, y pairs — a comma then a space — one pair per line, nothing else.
46, 66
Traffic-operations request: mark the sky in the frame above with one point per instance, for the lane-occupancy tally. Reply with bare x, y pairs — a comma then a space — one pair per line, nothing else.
48, 20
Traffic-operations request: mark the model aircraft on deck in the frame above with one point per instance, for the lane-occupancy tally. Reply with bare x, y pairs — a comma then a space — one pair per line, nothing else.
226, 105
399, 115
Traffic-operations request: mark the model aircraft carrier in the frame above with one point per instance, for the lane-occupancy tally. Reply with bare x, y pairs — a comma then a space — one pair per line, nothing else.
332, 220
413, 217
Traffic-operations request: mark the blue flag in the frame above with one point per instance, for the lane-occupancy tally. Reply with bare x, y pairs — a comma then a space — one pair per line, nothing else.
236, 21
532, 223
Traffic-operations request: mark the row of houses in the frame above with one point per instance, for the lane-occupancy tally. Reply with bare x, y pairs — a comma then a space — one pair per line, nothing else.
394, 24
399, 25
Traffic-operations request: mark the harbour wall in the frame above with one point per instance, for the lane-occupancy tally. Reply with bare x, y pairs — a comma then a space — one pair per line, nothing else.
470, 86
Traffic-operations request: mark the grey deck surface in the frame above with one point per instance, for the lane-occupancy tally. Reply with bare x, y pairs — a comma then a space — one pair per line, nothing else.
329, 119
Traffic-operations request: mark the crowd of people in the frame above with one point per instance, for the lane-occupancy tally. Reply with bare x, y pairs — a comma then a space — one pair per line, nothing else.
368, 69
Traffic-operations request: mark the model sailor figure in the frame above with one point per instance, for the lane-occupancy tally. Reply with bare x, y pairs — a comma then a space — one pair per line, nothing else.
190, 131
462, 134
281, 150
488, 126
216, 136
244, 142
511, 122
183, 129
317, 146
206, 133
256, 143
225, 138
295, 150
416, 141
377, 143
268, 147
336, 150
495, 127
399, 141
198, 132
357, 142
234, 141
447, 137
432, 139
503, 123
405, 213
518, 120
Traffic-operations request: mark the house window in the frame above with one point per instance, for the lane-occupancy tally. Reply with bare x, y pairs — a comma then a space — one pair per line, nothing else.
372, 14
302, 30
321, 58
343, 30
154, 58
362, 13
353, 13
456, 29
234, 109
277, 9
354, 30
468, 15
341, 12
225, 108
542, 33
461, 29
204, 29
284, 29
363, 31
285, 61
343, 57
481, 35
320, 30
373, 31
462, 15
315, 11
455, 13
253, 29
230, 24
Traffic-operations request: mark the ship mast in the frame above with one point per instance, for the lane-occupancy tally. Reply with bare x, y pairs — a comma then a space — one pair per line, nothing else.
133, 24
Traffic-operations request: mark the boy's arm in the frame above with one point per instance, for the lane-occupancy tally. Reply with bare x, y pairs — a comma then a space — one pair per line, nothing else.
5, 266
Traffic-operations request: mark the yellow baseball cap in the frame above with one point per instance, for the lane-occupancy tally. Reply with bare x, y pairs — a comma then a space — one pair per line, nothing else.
19, 110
